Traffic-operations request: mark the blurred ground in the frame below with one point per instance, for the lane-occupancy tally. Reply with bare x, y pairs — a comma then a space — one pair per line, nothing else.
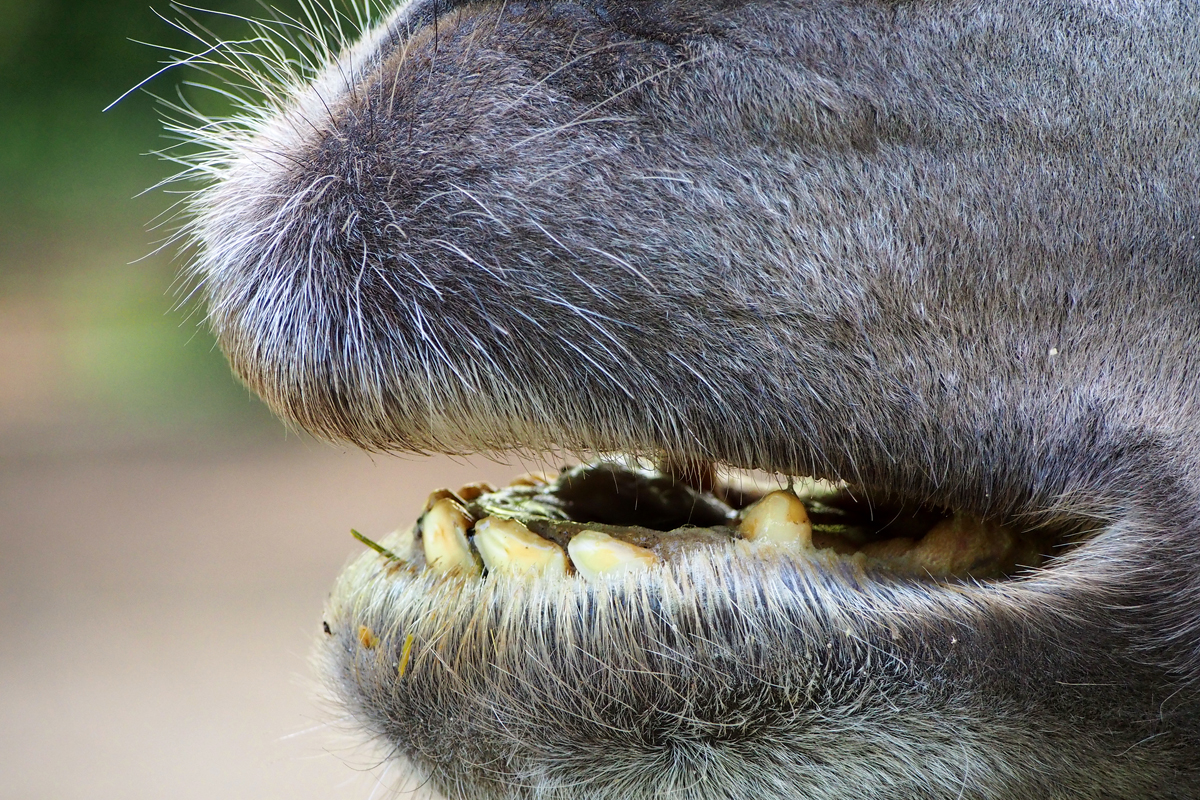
165, 546
157, 609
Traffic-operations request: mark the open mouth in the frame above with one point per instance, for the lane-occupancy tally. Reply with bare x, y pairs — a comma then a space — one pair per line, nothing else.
616, 516
660, 615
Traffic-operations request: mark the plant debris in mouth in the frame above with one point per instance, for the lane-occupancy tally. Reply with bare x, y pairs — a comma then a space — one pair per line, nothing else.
611, 517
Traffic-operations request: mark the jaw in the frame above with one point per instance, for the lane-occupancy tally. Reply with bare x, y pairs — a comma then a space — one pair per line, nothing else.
722, 665
722, 672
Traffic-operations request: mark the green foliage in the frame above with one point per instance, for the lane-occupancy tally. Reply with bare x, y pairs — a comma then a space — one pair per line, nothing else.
61, 63
74, 234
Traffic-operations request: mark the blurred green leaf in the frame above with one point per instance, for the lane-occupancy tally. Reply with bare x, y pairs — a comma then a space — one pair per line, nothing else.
71, 227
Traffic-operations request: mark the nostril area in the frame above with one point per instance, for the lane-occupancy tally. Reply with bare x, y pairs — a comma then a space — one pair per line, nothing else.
412, 162
415, 211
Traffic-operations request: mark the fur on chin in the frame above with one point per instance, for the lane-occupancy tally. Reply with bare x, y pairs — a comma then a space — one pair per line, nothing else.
731, 672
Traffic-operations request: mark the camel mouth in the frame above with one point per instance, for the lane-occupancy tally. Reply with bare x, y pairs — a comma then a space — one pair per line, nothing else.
618, 600
617, 516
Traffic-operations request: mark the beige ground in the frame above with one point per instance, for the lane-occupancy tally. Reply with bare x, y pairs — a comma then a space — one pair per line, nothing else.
156, 614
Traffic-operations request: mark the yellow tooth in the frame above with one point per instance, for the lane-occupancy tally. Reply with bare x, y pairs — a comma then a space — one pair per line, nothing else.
444, 535
531, 479
508, 546
472, 491
439, 494
597, 554
778, 518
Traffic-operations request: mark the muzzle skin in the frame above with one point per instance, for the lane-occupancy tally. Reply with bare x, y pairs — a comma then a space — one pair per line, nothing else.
944, 251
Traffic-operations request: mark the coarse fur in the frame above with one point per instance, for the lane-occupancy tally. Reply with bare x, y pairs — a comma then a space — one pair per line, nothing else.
944, 250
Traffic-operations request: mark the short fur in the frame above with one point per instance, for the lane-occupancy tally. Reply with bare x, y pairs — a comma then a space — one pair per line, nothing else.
945, 250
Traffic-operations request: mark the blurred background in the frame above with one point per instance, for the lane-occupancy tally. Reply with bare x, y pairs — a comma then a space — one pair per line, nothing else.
165, 545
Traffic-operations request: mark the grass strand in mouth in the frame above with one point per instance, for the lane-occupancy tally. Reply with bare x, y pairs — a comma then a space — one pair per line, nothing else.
378, 548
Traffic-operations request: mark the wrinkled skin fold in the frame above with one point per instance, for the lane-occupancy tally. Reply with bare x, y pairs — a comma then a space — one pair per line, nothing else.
943, 251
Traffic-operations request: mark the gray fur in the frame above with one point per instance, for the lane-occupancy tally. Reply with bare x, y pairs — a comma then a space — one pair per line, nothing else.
944, 250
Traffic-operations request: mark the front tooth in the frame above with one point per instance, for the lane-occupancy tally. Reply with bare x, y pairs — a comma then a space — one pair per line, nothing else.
778, 518
473, 491
444, 535
439, 494
530, 479
508, 546
597, 554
